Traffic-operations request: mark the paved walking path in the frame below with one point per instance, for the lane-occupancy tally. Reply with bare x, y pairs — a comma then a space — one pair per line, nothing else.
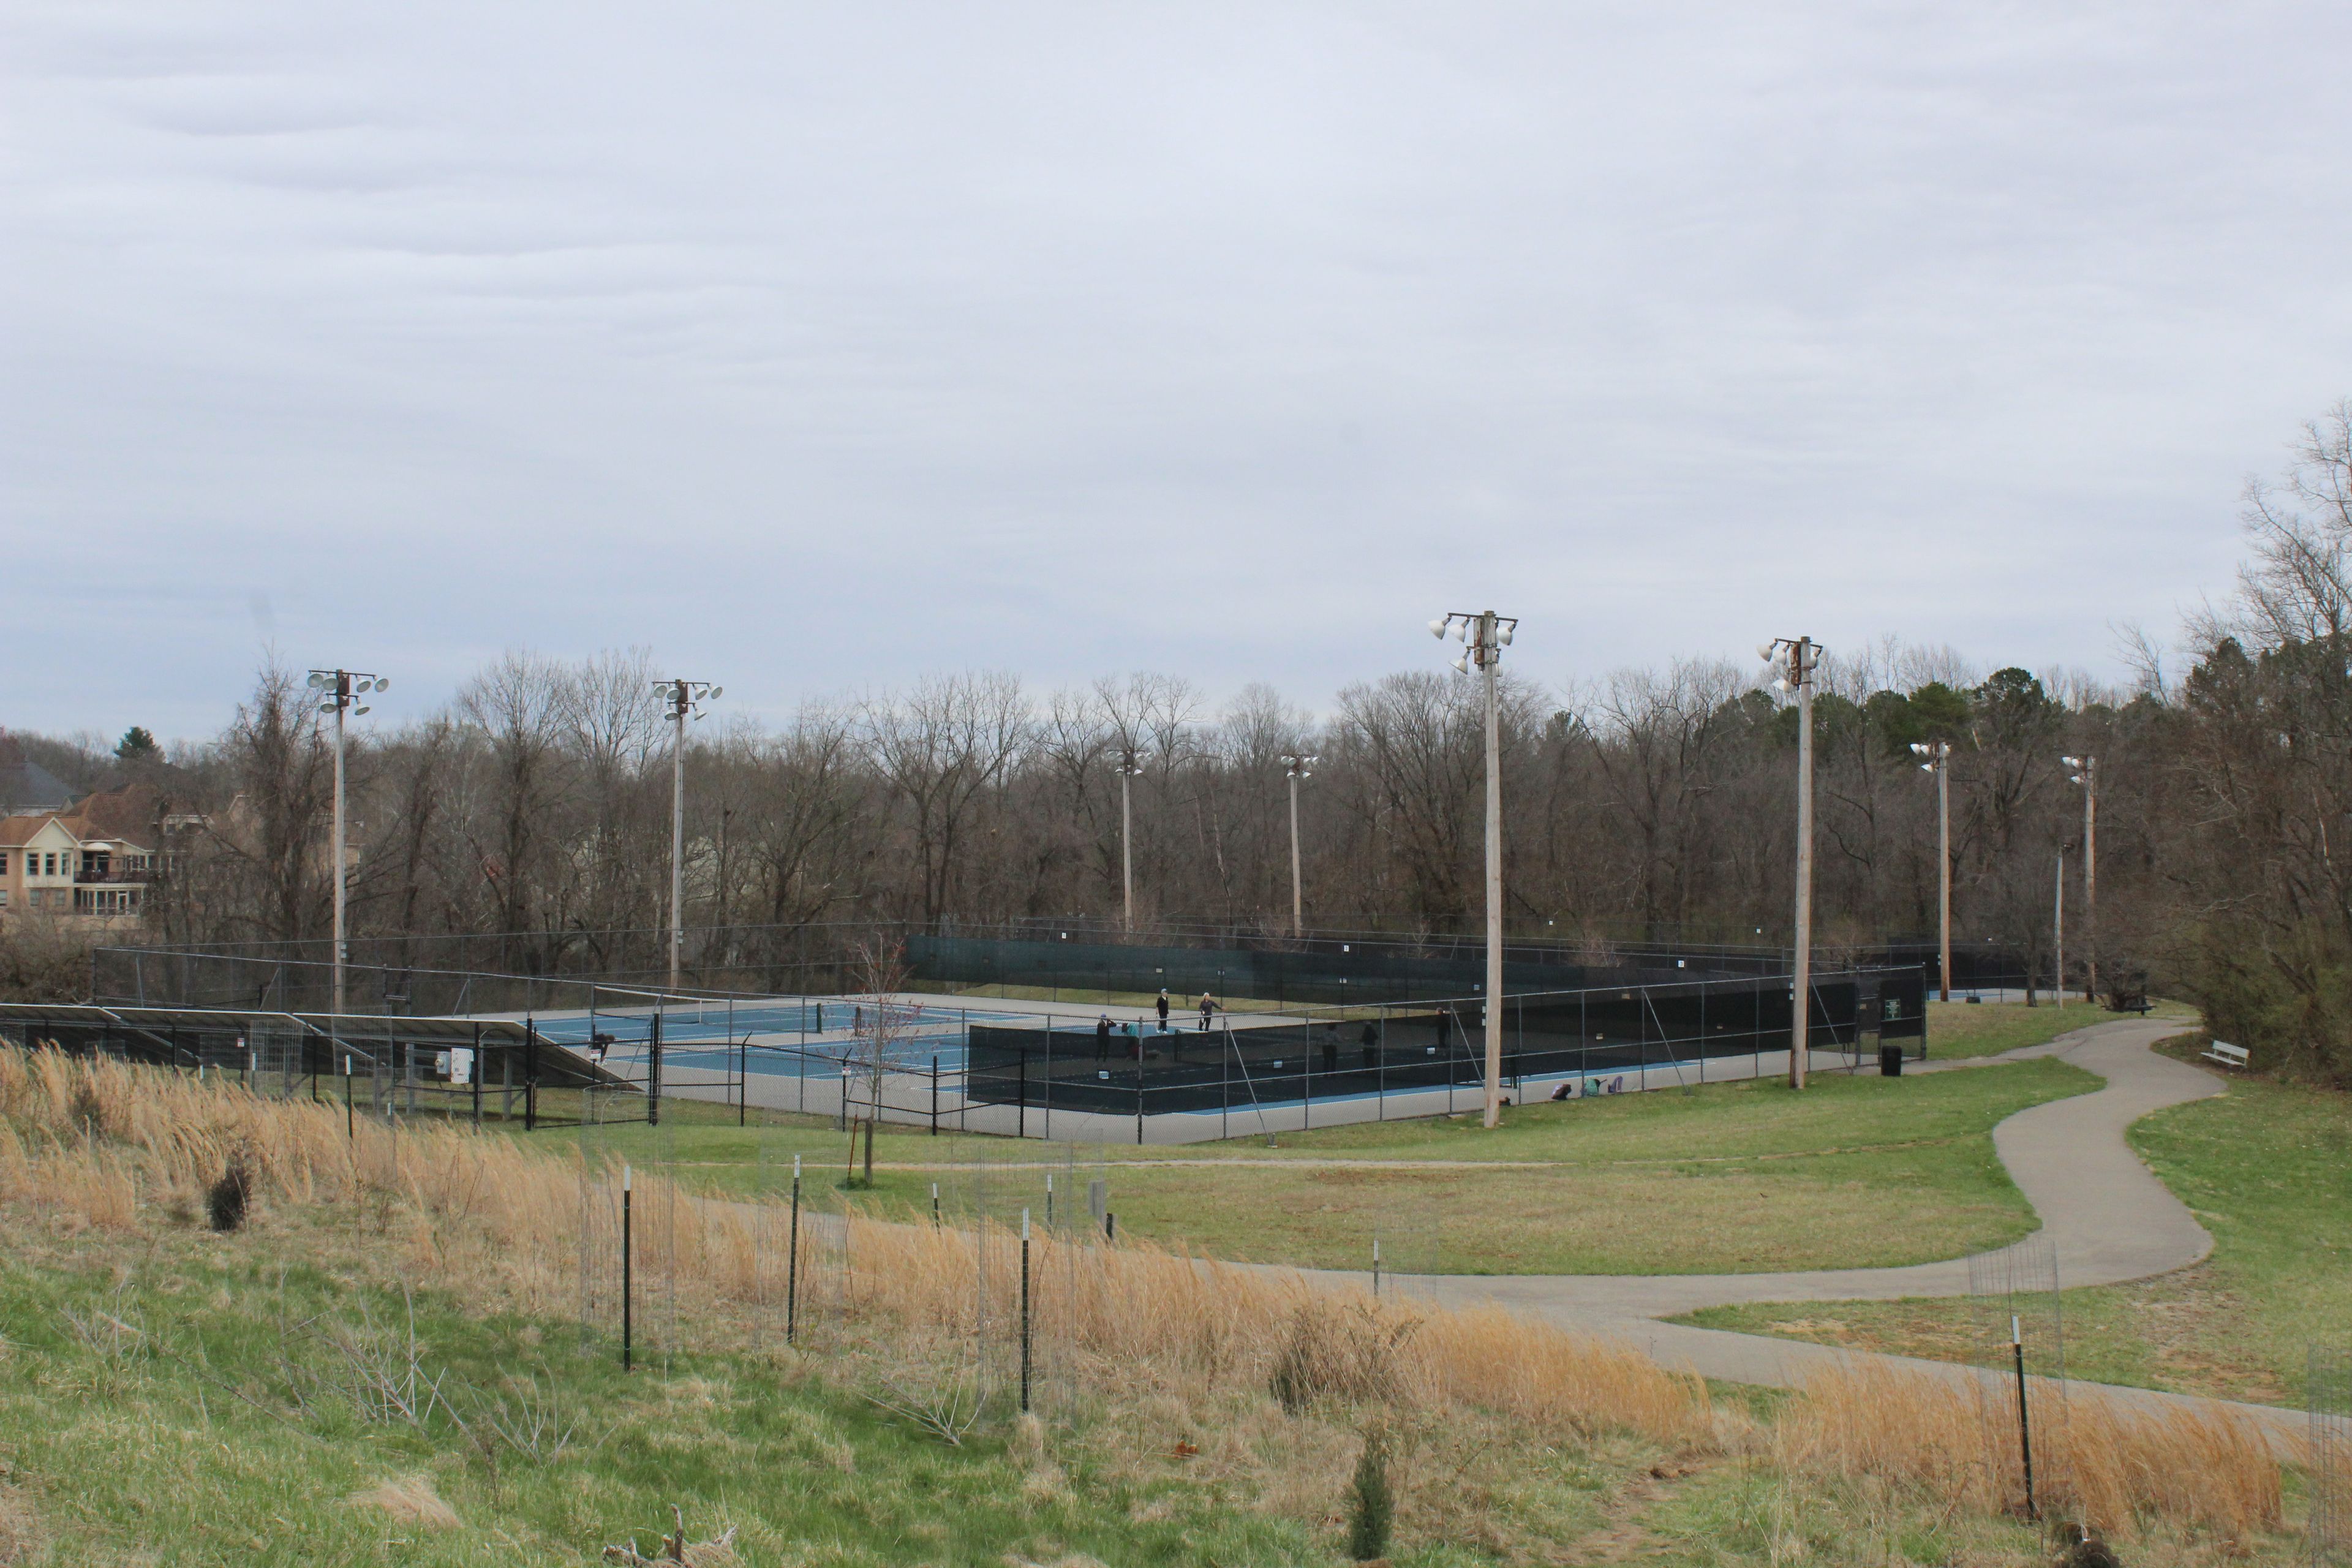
2111, 1219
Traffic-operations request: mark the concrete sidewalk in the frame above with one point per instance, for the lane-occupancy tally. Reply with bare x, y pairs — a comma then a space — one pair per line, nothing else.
2112, 1221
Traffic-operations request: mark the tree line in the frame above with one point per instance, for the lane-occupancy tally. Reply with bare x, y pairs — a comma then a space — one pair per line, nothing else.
1645, 805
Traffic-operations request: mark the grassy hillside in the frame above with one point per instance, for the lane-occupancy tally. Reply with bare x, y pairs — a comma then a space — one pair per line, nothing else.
386, 1362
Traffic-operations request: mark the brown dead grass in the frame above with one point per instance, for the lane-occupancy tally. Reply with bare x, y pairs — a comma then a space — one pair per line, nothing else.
2095, 1458
412, 1501
21, 1536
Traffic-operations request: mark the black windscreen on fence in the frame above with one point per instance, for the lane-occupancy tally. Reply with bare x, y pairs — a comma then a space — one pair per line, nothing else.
1329, 973
1406, 1048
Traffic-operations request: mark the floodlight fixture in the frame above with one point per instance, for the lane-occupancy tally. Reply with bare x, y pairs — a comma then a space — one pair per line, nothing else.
1437, 629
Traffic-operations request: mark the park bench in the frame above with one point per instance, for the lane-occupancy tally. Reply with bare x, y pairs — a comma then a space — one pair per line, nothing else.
2229, 1056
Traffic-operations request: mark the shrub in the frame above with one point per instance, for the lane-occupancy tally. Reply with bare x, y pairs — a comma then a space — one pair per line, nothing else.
225, 1200
1371, 1509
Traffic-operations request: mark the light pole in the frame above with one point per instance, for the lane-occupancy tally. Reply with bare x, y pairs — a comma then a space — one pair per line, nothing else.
1484, 636
2058, 934
1797, 658
679, 699
1127, 766
342, 688
1938, 755
1297, 768
2086, 774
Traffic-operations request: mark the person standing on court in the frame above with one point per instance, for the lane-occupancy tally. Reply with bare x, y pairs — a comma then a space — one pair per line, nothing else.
1208, 1006
1163, 1009
1102, 1038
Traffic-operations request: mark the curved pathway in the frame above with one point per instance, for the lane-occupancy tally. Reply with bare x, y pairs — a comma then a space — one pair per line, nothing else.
2112, 1221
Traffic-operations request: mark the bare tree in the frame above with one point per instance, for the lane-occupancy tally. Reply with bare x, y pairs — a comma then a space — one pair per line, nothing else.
941, 749
521, 705
884, 1020
270, 837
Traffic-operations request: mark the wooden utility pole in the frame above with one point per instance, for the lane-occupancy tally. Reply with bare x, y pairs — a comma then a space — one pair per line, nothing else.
1803, 657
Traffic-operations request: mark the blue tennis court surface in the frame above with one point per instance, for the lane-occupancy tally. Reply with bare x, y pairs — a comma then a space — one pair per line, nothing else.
699, 1022
789, 1038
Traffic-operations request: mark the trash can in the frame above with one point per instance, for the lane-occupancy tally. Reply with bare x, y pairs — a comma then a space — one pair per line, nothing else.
1890, 1060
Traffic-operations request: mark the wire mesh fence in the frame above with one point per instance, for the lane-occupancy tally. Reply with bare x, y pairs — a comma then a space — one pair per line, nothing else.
948, 1064
2020, 1344
2329, 1527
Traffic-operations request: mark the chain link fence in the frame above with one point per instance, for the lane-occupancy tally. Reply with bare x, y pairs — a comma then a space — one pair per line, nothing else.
2329, 1530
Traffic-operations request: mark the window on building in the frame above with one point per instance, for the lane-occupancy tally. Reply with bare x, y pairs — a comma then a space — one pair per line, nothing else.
4, 862
49, 865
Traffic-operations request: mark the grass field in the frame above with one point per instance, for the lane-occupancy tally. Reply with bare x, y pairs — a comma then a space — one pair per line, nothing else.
378, 1366
2268, 1169
1962, 1029
1857, 1171
218, 1399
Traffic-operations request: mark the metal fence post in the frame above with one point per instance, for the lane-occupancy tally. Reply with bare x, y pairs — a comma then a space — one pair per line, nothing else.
2024, 1432
653, 1072
792, 1263
627, 1319
1025, 1311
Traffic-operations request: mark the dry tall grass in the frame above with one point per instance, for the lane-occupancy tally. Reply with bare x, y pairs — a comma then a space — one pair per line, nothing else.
2095, 1458
95, 1138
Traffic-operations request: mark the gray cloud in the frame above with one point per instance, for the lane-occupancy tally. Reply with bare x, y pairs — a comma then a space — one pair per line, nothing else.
819, 348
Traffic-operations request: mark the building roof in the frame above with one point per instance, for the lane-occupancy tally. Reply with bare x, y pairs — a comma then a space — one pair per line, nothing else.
111, 817
25, 783
126, 815
24, 826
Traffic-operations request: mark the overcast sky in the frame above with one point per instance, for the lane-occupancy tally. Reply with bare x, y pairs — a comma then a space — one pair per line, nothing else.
818, 347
